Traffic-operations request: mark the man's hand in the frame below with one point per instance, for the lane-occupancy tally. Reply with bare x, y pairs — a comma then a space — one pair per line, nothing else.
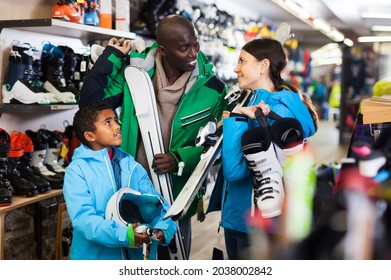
164, 163
125, 46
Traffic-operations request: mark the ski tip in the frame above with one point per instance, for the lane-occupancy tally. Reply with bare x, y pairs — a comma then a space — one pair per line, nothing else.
174, 217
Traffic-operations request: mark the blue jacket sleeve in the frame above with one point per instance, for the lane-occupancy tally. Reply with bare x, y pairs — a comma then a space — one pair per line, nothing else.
233, 162
83, 213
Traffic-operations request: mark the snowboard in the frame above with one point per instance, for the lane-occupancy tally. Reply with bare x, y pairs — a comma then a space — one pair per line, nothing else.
143, 96
183, 201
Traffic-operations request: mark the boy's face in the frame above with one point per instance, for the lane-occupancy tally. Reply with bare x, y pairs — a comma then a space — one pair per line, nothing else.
107, 131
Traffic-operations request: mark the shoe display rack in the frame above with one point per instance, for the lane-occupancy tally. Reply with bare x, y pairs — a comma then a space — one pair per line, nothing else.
17, 203
37, 31
34, 116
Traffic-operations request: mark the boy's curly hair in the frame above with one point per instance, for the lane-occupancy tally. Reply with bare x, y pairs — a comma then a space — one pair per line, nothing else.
84, 119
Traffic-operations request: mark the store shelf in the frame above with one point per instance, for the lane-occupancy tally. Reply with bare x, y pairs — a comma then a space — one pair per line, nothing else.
64, 28
35, 108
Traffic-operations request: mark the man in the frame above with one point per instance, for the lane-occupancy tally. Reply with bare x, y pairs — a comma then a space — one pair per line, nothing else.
188, 95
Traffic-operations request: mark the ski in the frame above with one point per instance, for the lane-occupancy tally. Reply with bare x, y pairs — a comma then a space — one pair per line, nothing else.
143, 96
183, 201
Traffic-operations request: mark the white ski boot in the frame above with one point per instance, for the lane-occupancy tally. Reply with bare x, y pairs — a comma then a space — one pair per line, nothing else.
259, 152
288, 138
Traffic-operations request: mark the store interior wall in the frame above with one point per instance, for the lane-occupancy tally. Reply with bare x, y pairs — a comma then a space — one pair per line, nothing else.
23, 9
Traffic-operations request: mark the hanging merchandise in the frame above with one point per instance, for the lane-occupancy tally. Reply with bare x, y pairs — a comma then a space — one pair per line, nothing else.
122, 15
106, 17
66, 10
91, 16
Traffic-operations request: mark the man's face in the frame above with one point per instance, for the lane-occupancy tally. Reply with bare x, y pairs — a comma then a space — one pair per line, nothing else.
182, 50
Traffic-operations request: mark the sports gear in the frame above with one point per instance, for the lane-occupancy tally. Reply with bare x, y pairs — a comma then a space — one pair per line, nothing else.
67, 10
53, 76
21, 82
6, 189
143, 96
128, 206
288, 138
258, 148
208, 158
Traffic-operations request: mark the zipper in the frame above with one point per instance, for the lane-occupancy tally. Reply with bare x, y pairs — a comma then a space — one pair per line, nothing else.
108, 166
180, 105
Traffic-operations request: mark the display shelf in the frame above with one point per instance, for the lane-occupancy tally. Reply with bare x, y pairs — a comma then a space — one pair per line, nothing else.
35, 108
18, 202
64, 28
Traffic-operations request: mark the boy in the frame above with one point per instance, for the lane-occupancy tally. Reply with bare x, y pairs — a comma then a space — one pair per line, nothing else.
97, 171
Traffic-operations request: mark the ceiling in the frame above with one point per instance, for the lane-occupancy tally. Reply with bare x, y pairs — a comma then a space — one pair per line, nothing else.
345, 15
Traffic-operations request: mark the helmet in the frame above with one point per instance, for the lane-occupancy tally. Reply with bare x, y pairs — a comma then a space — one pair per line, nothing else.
128, 206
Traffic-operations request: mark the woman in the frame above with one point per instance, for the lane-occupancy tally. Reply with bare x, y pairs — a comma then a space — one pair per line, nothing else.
259, 70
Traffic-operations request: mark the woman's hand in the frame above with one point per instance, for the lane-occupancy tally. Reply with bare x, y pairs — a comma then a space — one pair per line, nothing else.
249, 111
125, 46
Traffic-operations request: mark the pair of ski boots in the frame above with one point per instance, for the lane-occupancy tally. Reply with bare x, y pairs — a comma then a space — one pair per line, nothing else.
68, 10
16, 173
49, 150
36, 77
265, 149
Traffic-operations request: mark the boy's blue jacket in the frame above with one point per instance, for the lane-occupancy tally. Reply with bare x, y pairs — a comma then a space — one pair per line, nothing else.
88, 185
237, 189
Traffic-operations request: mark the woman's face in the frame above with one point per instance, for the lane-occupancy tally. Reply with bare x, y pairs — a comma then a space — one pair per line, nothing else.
248, 71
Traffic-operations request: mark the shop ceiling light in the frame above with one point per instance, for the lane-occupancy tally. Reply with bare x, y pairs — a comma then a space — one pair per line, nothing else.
316, 23
348, 42
299, 11
338, 36
381, 28
322, 25
376, 15
372, 39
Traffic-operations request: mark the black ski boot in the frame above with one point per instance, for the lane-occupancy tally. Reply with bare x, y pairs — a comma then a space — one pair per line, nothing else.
28, 173
70, 62
6, 189
38, 157
54, 140
22, 145
52, 67
21, 186
18, 84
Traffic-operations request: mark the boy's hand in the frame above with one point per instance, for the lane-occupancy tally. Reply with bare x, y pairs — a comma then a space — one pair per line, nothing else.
159, 235
121, 44
140, 238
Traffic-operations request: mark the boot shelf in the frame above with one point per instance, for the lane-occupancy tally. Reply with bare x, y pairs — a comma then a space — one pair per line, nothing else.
64, 28
35, 108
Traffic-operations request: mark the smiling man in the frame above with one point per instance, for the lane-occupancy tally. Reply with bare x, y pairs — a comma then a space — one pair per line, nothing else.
188, 95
